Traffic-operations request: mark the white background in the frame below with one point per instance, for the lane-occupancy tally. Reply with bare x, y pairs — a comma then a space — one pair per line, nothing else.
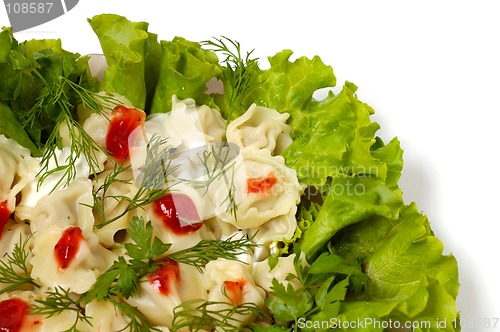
430, 69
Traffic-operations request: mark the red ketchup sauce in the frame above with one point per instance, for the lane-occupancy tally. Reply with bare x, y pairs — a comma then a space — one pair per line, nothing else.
261, 185
12, 314
66, 248
178, 213
4, 217
124, 121
234, 290
165, 276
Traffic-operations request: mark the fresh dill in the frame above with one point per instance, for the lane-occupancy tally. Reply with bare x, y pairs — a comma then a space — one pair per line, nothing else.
57, 104
238, 73
208, 250
58, 301
198, 315
14, 271
219, 164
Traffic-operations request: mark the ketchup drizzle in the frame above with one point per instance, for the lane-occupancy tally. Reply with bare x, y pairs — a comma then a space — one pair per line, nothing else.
234, 290
12, 314
123, 122
4, 216
168, 273
261, 185
67, 247
178, 213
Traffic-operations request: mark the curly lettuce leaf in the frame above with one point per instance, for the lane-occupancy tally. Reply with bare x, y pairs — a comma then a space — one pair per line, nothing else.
148, 71
409, 277
132, 55
350, 199
289, 86
185, 70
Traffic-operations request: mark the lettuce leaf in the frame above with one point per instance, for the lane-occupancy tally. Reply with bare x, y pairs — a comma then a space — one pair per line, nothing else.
185, 70
350, 199
407, 272
132, 55
334, 146
11, 127
289, 86
148, 71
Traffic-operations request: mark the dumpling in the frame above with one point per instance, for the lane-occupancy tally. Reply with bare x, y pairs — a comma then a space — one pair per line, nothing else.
276, 229
260, 128
62, 321
114, 205
177, 218
18, 169
114, 128
71, 206
229, 284
263, 275
68, 258
15, 235
172, 284
20, 300
34, 191
97, 125
104, 316
271, 190
195, 125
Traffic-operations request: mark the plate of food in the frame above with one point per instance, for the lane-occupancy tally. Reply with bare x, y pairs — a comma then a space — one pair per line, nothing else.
176, 184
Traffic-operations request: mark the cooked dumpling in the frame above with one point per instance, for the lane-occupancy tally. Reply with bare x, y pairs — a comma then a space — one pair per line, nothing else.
229, 284
270, 190
172, 284
68, 258
260, 128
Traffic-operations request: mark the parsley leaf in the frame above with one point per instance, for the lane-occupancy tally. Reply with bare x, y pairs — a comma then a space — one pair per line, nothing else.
286, 304
145, 247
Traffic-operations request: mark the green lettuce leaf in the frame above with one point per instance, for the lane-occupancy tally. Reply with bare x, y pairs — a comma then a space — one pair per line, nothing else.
148, 71
289, 86
185, 70
407, 272
11, 127
132, 55
350, 199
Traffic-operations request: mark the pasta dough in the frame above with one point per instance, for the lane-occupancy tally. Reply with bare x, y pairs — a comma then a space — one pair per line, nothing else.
260, 128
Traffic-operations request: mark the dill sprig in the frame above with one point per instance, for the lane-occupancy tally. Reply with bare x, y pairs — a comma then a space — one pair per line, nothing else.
58, 301
198, 315
101, 197
153, 183
218, 163
57, 104
239, 70
209, 250
14, 271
